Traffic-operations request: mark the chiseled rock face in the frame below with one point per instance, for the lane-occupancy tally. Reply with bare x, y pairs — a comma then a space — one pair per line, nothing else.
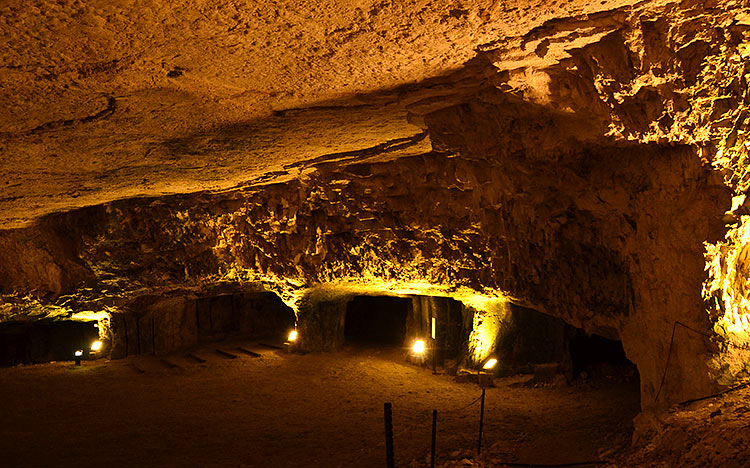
582, 168
600, 255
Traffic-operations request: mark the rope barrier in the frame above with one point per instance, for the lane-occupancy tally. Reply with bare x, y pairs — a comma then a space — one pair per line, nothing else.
555, 465
473, 402
669, 356
732, 389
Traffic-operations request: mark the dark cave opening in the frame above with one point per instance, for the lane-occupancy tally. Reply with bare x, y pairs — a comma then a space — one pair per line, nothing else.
45, 341
261, 315
376, 320
595, 357
531, 342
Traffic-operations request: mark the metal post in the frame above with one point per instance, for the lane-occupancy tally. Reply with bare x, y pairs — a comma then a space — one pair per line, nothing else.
433, 335
481, 424
434, 434
387, 410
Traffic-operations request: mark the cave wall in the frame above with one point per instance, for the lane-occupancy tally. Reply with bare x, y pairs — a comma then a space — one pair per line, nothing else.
453, 325
159, 325
607, 238
321, 324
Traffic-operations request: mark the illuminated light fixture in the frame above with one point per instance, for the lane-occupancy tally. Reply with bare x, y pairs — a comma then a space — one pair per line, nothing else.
292, 336
489, 364
418, 347
78, 354
96, 345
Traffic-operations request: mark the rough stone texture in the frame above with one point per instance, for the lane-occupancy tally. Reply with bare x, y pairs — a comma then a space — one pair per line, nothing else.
105, 100
322, 325
576, 166
450, 221
158, 325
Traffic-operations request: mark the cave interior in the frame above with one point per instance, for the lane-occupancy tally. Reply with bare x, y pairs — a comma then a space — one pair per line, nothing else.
303, 211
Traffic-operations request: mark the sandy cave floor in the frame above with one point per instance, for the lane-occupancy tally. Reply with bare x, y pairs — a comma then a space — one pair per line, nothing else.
289, 410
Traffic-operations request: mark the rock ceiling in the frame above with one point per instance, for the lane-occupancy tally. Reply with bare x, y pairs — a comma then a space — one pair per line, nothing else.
114, 99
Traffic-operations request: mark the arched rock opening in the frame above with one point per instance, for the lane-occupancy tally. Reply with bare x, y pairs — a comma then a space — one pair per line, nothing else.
326, 324
45, 341
593, 356
531, 342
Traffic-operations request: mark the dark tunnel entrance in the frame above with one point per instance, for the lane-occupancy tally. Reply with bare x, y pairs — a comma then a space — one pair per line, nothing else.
535, 343
595, 357
376, 320
261, 315
45, 341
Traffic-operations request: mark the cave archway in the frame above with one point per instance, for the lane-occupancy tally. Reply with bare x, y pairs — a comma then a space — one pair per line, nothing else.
159, 325
530, 341
45, 341
376, 320
595, 357
261, 315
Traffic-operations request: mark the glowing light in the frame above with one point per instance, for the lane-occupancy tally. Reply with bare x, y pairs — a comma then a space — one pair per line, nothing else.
418, 347
79, 353
728, 290
292, 335
90, 316
489, 364
486, 324
96, 345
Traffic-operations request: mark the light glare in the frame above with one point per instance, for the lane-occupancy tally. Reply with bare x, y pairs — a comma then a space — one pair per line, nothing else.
292, 335
418, 347
79, 353
96, 345
490, 363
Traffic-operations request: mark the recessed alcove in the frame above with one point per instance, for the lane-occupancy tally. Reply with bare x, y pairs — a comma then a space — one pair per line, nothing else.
45, 341
157, 325
531, 342
595, 357
377, 320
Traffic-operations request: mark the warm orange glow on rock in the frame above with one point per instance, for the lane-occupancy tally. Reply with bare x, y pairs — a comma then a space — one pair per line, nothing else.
487, 322
728, 289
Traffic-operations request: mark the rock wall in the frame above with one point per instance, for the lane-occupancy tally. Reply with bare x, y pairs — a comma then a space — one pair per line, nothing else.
159, 325
593, 237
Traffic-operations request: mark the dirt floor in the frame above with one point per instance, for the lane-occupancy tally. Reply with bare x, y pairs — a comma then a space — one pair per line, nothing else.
289, 410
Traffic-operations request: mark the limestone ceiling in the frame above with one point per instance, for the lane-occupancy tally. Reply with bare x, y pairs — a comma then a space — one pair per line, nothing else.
109, 99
